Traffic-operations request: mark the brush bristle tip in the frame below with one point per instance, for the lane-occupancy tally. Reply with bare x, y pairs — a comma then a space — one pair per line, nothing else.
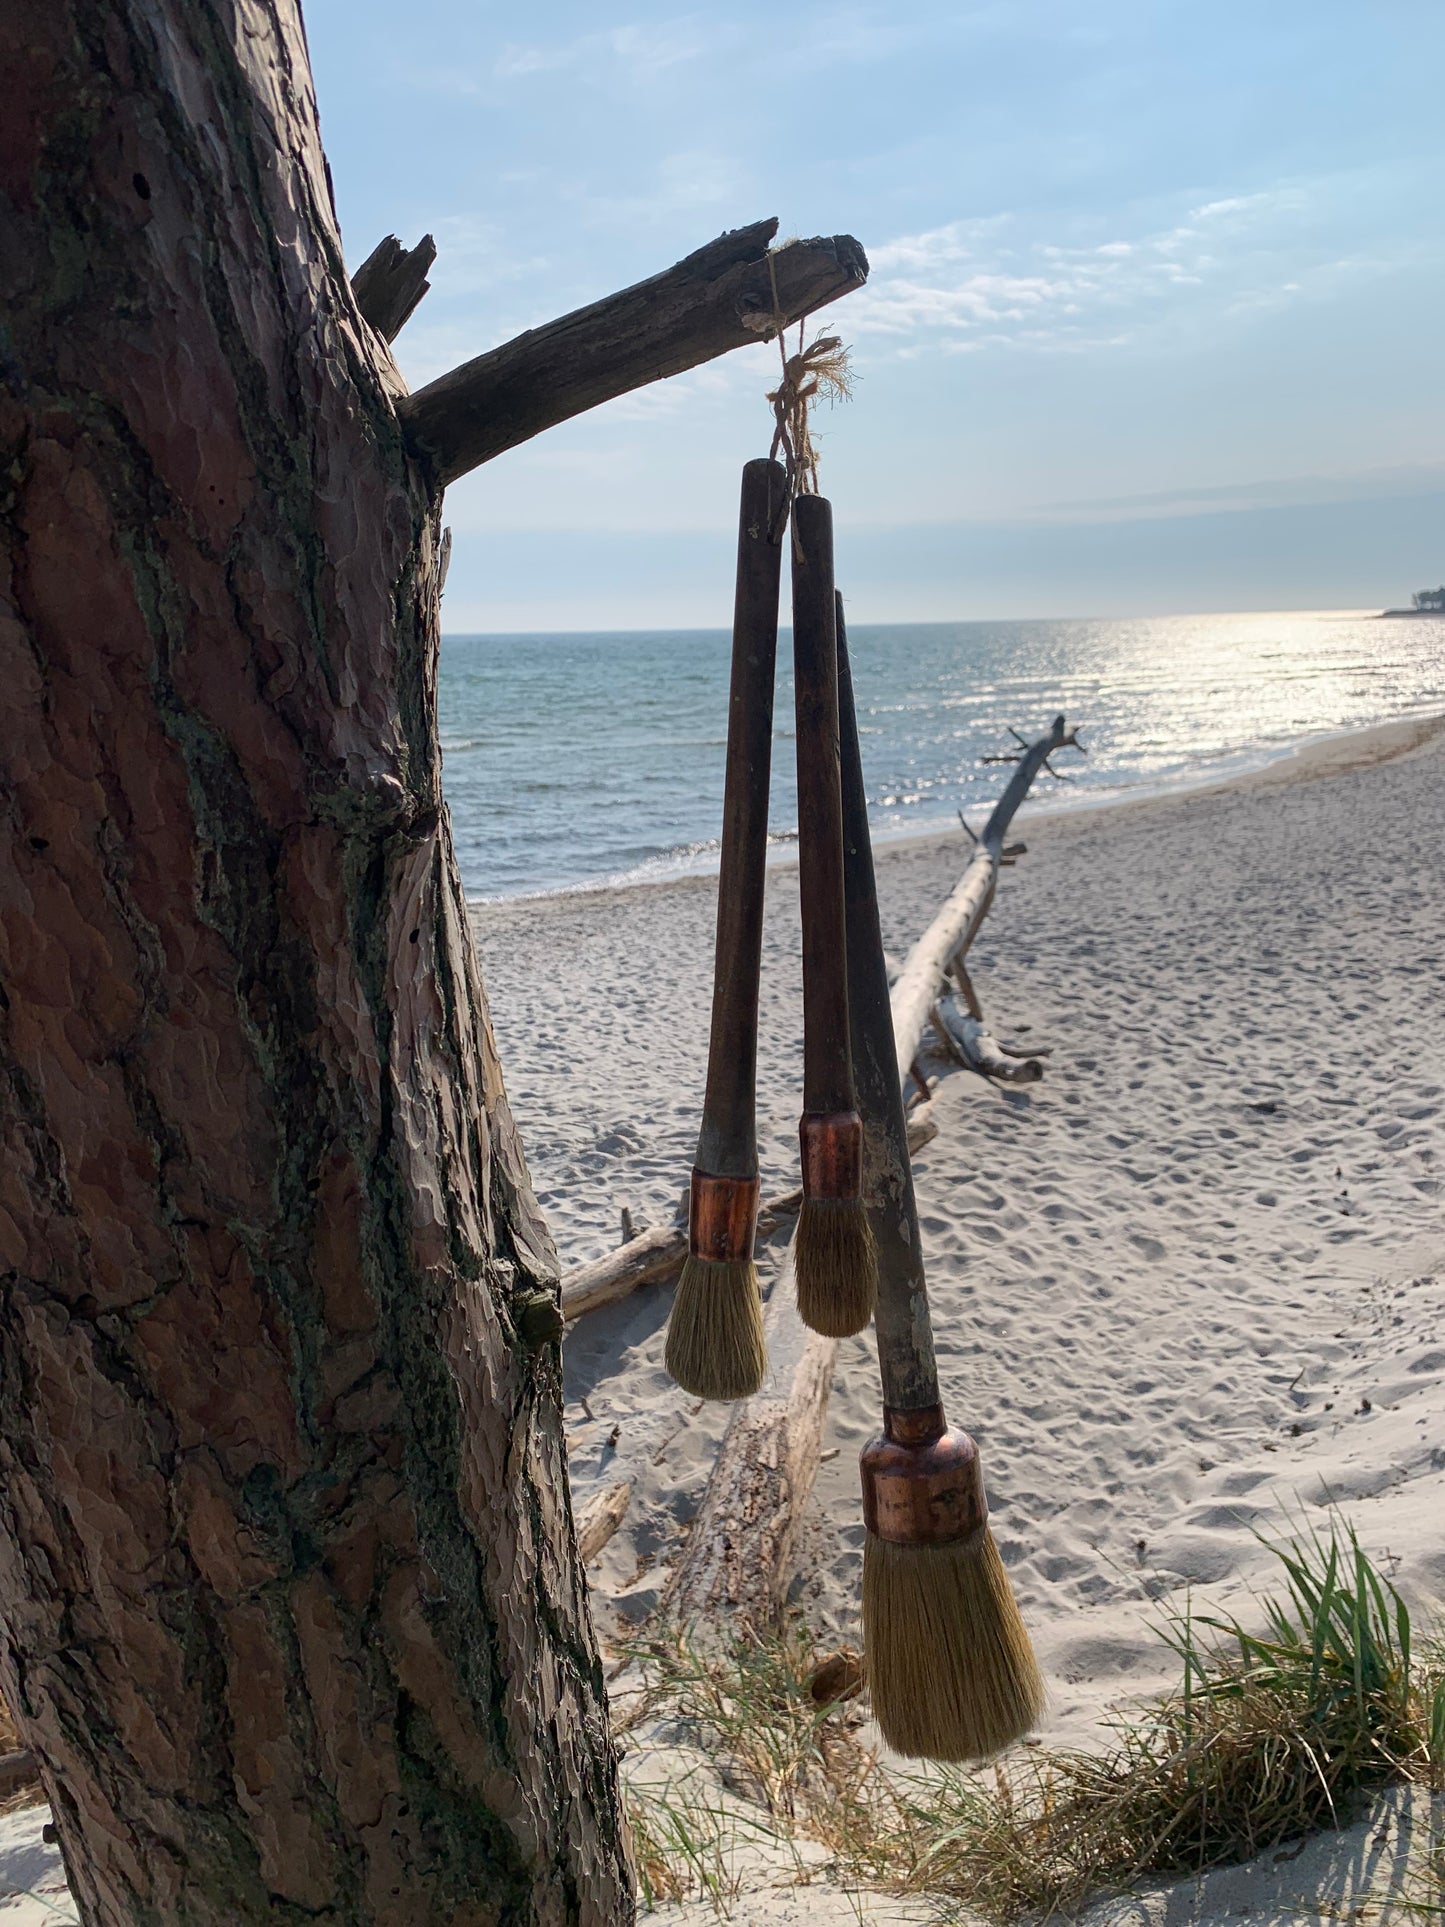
835, 1266
950, 1668
715, 1344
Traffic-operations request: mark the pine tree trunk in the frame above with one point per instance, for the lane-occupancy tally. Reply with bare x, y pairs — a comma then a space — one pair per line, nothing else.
292, 1617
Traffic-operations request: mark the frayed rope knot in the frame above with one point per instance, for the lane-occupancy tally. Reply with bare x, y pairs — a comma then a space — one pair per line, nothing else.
819, 369
822, 368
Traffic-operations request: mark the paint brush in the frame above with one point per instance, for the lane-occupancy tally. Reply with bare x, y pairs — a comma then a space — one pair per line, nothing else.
715, 1333
833, 1260
950, 1668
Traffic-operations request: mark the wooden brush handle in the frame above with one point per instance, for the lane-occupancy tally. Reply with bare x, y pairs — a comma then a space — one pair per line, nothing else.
905, 1332
827, 1062
727, 1144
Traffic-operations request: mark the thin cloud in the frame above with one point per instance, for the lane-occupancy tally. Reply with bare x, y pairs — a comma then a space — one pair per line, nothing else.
1368, 484
991, 283
635, 52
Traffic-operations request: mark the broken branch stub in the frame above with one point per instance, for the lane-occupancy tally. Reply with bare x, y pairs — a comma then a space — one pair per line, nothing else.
390, 283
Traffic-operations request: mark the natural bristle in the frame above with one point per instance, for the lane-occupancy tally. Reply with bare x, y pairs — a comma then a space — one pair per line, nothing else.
715, 1334
835, 1266
950, 1669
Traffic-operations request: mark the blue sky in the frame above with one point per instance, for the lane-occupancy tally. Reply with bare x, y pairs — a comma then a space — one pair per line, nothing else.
1154, 323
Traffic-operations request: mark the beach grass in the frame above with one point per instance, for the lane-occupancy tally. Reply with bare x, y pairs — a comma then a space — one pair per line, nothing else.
1421, 1893
1277, 1730
680, 1845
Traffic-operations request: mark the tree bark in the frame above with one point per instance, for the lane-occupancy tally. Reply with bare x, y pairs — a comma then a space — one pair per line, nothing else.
292, 1617
391, 281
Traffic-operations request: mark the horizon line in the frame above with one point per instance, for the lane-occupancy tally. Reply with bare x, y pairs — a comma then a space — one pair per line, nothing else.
1363, 612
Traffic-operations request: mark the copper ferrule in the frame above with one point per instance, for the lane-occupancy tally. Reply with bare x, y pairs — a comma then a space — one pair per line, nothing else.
922, 1481
722, 1216
832, 1144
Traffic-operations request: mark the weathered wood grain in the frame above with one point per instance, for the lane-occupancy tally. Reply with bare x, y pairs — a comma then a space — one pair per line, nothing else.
599, 1519
717, 299
391, 281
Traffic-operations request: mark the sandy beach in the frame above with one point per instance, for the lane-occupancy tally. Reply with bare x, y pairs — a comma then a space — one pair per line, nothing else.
1189, 1289
1184, 1285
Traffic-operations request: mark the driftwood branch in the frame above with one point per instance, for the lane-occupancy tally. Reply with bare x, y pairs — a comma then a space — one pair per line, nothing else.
720, 298
599, 1519
740, 1550
653, 1254
738, 1556
947, 938
656, 1253
967, 1039
391, 282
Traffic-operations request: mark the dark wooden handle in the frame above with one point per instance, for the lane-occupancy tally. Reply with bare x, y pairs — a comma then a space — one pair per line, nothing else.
727, 1145
827, 1064
905, 1333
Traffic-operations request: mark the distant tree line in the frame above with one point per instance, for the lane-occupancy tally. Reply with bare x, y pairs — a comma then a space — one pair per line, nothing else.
1429, 599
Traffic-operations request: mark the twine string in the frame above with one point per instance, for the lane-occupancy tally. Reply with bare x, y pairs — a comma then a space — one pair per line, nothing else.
820, 368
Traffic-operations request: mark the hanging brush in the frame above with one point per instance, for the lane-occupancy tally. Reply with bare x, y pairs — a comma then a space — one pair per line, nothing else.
950, 1669
833, 1259
715, 1334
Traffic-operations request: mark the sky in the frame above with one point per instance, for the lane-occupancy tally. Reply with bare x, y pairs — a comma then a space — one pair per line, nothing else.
1154, 323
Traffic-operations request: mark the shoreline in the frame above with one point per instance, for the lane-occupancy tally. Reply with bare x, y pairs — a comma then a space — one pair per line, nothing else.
1323, 754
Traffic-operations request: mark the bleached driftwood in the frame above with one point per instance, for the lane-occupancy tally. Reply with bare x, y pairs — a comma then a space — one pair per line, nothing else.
652, 1254
954, 928
656, 1253
966, 1038
600, 1518
738, 1557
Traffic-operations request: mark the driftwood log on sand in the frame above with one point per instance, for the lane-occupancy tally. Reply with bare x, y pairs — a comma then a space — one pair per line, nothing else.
17, 1769
600, 1517
738, 1556
651, 1255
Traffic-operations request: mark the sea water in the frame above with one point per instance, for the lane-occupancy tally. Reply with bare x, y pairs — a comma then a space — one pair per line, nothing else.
579, 760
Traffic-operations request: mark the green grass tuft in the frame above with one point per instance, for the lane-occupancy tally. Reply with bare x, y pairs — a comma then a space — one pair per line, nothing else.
1271, 1735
